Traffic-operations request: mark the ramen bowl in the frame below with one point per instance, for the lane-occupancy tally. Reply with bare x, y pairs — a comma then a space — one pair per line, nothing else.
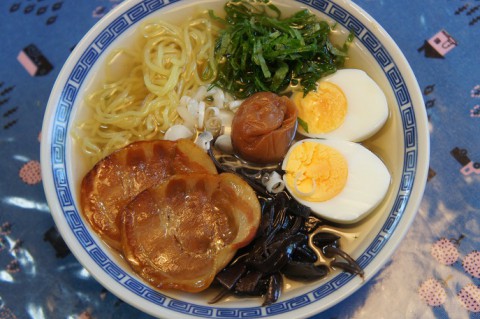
402, 144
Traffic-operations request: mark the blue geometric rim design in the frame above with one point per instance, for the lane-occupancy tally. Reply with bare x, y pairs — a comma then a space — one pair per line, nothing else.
64, 195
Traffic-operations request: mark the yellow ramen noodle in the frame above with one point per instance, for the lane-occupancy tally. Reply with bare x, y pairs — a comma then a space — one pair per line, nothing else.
143, 86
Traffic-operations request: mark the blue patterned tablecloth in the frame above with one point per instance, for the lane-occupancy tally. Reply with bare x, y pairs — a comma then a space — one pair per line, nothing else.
435, 273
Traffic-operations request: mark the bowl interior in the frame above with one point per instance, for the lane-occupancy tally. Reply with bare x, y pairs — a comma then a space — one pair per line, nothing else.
402, 144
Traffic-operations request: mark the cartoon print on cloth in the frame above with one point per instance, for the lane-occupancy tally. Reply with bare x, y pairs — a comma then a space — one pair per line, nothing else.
9, 246
33, 60
469, 297
471, 264
430, 103
5, 90
445, 252
42, 10
432, 292
475, 111
438, 45
5, 93
470, 11
443, 273
468, 166
30, 172
475, 94
100, 11
5, 230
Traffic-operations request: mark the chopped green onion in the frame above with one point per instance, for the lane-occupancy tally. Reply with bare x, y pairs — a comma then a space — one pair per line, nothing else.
303, 124
258, 50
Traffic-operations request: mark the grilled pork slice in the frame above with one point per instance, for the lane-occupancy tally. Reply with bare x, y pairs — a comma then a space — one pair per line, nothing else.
119, 177
180, 234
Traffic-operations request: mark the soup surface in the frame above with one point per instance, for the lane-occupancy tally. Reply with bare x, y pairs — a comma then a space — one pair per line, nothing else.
386, 144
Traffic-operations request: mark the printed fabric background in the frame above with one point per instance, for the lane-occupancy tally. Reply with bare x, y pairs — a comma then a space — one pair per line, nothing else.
435, 273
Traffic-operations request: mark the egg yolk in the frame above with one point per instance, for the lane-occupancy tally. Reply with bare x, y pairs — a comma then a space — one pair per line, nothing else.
316, 172
324, 110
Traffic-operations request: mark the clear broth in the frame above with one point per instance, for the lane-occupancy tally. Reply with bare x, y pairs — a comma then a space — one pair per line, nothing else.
387, 144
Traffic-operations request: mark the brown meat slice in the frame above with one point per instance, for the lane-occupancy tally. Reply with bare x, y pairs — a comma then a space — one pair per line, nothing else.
180, 234
119, 177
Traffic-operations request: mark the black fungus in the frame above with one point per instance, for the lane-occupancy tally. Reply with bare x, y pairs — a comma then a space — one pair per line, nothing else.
281, 246
304, 253
350, 267
229, 276
304, 271
251, 284
329, 244
274, 289
325, 239
312, 223
275, 256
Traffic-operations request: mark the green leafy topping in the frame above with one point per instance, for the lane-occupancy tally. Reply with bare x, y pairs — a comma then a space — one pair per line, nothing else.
258, 50
303, 124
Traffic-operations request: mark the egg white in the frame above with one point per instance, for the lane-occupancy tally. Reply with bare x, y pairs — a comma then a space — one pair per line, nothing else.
367, 184
367, 107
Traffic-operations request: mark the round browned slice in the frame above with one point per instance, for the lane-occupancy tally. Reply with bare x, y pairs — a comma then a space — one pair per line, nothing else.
181, 233
119, 177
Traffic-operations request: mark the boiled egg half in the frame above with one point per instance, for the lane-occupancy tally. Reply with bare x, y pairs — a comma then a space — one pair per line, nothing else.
340, 181
347, 105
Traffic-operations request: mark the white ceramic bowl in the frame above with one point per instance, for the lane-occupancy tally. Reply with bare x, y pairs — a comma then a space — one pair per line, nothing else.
403, 144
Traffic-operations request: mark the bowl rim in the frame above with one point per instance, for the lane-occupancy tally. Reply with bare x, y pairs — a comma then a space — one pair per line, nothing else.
128, 288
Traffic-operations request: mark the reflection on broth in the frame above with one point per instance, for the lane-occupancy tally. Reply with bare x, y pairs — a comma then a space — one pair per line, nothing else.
164, 85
